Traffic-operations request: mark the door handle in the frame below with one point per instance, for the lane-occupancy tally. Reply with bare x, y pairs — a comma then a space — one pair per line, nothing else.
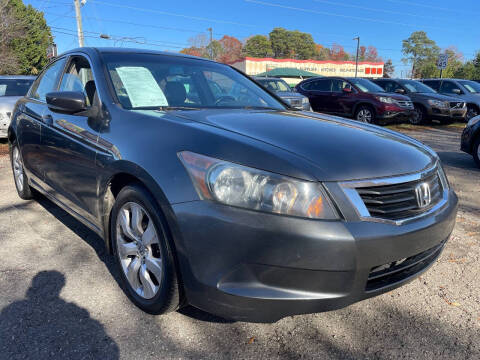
47, 119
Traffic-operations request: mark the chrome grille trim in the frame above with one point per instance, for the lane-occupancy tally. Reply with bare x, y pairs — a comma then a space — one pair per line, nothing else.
350, 190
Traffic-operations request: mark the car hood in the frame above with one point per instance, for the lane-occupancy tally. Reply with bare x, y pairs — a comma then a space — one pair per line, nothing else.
338, 149
289, 94
432, 96
7, 103
392, 95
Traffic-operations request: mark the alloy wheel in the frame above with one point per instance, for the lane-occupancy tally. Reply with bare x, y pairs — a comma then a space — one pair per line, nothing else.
416, 117
364, 115
17, 169
138, 249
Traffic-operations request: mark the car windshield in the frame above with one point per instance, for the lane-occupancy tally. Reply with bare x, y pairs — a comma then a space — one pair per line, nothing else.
274, 85
150, 81
14, 87
471, 86
366, 85
416, 86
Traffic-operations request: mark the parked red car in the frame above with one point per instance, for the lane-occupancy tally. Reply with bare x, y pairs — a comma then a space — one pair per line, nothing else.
355, 97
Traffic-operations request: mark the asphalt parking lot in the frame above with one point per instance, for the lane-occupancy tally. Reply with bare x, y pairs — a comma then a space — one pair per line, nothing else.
60, 297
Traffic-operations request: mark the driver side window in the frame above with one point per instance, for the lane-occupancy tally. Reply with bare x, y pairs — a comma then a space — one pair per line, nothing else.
48, 80
79, 77
448, 87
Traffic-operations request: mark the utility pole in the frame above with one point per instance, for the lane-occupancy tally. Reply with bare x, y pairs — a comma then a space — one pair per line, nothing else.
210, 30
78, 15
356, 57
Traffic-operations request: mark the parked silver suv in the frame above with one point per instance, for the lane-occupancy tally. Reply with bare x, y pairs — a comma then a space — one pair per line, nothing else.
12, 88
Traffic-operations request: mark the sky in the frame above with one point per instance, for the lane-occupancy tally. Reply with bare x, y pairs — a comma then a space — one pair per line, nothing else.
168, 25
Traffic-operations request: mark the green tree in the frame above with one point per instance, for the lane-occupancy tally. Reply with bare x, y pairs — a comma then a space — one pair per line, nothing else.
300, 45
30, 48
421, 52
388, 69
455, 62
280, 43
258, 46
321, 53
214, 49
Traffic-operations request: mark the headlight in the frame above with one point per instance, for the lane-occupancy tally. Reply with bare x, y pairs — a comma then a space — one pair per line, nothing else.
249, 188
439, 104
473, 120
387, 100
305, 101
443, 177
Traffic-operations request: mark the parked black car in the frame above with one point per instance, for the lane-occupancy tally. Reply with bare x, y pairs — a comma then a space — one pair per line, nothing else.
281, 89
237, 205
427, 103
355, 97
471, 139
464, 90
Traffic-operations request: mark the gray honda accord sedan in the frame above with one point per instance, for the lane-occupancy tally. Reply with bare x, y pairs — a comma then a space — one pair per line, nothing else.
210, 191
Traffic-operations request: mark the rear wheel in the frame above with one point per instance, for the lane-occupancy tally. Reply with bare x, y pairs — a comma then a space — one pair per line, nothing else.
365, 114
476, 152
21, 182
143, 253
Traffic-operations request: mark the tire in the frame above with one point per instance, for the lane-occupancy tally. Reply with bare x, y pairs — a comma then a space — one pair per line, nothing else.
143, 252
476, 151
365, 114
471, 112
21, 181
419, 116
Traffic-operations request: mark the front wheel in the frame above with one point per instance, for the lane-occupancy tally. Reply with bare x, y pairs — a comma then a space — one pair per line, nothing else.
21, 182
471, 112
365, 114
418, 116
143, 253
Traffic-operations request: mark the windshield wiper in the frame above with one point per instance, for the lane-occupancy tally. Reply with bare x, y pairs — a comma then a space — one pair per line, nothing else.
167, 108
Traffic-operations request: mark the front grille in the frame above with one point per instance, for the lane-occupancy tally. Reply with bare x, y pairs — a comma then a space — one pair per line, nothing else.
396, 271
457, 104
405, 104
399, 201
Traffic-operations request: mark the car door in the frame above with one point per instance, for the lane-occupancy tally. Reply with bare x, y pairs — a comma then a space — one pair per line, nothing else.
341, 101
319, 92
69, 145
30, 120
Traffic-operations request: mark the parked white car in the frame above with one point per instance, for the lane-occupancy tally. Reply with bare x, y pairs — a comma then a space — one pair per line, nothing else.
12, 88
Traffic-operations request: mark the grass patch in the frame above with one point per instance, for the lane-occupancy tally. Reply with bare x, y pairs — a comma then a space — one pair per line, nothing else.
410, 127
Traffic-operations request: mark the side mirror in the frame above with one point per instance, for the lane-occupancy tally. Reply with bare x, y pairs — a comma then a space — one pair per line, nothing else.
347, 90
67, 102
457, 91
400, 91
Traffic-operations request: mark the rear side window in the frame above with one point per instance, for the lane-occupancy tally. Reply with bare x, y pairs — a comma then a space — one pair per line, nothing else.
319, 85
48, 80
435, 85
389, 86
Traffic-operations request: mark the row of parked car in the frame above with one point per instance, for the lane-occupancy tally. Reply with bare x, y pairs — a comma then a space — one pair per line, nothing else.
383, 101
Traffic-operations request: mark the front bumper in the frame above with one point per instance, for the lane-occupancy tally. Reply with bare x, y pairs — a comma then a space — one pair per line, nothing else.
394, 116
260, 267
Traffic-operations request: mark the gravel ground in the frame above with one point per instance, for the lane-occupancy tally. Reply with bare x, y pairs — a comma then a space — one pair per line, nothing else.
60, 297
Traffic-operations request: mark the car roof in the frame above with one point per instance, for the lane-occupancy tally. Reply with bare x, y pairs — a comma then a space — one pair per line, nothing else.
117, 50
19, 77
267, 78
438, 79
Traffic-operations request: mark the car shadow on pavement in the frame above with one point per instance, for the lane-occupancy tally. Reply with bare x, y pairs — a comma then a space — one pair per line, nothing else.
457, 160
97, 244
44, 326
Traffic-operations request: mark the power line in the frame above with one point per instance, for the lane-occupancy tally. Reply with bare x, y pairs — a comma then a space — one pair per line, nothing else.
264, 3
378, 10
171, 14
